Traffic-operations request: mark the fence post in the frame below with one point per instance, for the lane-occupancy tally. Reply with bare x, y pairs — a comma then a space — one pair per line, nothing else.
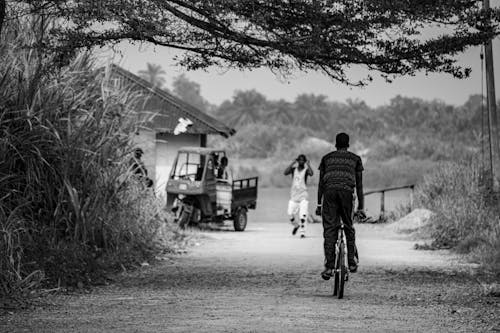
382, 205
411, 196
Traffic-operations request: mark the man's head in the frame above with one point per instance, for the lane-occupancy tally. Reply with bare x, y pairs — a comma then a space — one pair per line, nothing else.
223, 161
138, 152
342, 141
301, 160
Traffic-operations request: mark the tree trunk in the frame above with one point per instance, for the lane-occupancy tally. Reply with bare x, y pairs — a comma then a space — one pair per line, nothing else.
3, 8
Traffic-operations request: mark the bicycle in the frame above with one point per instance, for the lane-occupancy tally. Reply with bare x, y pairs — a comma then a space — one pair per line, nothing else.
341, 268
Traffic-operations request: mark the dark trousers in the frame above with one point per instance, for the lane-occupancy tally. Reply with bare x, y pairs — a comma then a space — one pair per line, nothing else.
337, 205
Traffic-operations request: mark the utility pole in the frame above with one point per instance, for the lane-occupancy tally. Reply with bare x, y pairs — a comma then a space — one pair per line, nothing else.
492, 110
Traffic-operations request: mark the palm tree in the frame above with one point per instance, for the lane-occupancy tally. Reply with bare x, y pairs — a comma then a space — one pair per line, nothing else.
246, 107
153, 74
312, 111
280, 112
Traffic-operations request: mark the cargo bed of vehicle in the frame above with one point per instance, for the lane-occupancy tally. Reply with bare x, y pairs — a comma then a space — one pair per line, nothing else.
244, 193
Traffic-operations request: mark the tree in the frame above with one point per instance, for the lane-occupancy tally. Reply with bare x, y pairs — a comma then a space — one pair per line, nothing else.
364, 122
406, 111
153, 74
246, 107
324, 35
279, 111
312, 111
190, 92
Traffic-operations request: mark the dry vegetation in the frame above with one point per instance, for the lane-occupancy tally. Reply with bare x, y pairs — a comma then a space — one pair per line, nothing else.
466, 218
69, 208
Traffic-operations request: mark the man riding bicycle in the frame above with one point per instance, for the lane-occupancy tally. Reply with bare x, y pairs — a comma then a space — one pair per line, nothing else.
340, 172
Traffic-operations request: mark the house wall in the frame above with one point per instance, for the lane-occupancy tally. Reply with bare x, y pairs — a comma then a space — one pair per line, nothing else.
167, 146
145, 139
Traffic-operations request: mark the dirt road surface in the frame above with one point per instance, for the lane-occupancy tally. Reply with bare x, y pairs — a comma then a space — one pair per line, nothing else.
266, 280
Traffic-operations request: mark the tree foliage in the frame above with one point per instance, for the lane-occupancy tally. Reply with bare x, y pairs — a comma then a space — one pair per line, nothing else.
246, 107
154, 74
325, 35
405, 126
190, 92
311, 110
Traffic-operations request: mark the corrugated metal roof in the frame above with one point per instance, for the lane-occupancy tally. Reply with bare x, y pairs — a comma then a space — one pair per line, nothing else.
167, 108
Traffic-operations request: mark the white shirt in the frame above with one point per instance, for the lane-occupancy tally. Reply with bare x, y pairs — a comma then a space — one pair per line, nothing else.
299, 188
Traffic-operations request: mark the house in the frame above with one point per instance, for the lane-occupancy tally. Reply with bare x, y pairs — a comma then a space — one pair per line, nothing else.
173, 124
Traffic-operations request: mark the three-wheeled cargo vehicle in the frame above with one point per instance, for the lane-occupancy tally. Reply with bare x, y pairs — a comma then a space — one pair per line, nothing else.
196, 195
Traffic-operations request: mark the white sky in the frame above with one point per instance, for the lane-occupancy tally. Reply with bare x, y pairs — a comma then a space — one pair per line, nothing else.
218, 84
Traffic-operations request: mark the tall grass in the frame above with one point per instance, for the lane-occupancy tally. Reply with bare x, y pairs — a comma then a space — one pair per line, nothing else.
465, 218
68, 204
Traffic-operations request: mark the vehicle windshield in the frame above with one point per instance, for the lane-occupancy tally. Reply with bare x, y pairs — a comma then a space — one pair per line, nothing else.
189, 166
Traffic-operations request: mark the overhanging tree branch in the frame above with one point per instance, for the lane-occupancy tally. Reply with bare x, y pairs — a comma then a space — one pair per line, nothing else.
310, 35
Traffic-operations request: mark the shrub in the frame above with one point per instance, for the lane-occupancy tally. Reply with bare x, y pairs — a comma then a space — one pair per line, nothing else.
464, 218
395, 172
69, 207
261, 140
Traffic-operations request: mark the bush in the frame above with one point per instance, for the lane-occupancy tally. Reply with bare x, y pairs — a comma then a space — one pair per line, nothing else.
464, 218
395, 172
69, 207
261, 140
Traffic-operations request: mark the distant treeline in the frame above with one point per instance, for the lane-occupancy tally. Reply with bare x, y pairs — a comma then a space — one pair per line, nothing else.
406, 126
400, 141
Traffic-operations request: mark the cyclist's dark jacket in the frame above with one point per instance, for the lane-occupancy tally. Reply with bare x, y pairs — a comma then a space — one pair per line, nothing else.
338, 170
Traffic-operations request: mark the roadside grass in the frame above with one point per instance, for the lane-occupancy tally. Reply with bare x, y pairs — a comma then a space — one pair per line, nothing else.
464, 218
70, 209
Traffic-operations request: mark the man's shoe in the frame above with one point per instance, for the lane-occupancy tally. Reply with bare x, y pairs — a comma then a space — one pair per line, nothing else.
327, 274
353, 268
294, 231
302, 236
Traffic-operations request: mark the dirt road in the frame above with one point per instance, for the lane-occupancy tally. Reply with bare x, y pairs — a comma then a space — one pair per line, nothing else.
265, 280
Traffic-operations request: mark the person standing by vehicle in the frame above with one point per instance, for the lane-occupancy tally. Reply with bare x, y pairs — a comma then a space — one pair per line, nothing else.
139, 169
298, 195
340, 172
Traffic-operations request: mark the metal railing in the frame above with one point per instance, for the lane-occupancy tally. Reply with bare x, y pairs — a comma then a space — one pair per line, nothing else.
382, 196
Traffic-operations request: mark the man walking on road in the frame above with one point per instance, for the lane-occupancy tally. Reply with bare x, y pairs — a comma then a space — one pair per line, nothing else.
298, 197
340, 172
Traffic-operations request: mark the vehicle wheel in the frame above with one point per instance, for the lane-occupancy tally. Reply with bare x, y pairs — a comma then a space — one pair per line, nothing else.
342, 272
240, 219
184, 219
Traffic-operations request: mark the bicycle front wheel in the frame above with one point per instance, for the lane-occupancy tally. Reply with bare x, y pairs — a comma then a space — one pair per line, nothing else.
340, 274
336, 283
